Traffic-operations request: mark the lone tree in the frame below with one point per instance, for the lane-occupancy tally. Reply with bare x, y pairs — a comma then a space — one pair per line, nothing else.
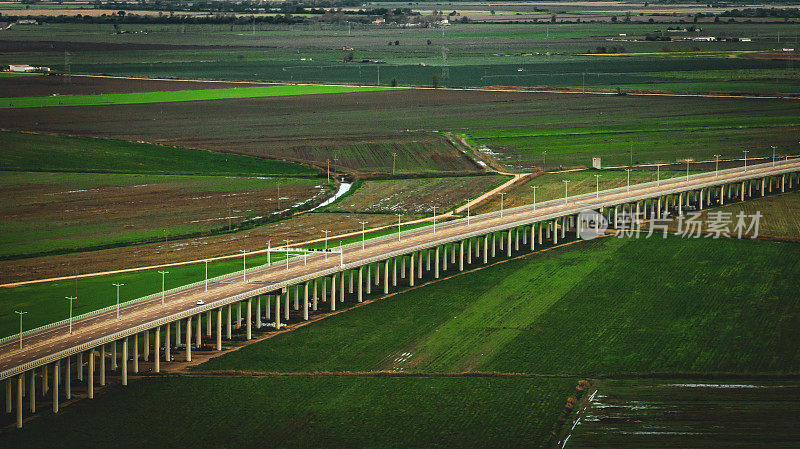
435, 81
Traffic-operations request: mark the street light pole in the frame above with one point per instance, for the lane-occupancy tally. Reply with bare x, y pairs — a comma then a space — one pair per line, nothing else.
20, 313
544, 159
658, 174
467, 214
163, 275
716, 165
566, 189
502, 197
71, 298
394, 162
287, 253
745, 159
398, 227
326, 244
629, 179
597, 183
434, 219
534, 197
773, 154
244, 265
363, 231
118, 285
206, 261
687, 169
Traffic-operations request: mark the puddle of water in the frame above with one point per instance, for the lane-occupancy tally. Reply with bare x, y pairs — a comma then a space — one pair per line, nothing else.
344, 187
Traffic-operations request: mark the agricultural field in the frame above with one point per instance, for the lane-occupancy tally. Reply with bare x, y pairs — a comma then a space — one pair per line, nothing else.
359, 132
514, 318
679, 413
415, 195
24, 151
176, 95
550, 186
14, 84
310, 412
67, 212
600, 56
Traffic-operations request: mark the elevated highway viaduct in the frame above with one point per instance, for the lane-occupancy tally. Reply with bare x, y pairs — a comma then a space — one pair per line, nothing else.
53, 358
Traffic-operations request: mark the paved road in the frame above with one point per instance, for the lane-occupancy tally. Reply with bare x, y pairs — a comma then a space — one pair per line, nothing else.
52, 341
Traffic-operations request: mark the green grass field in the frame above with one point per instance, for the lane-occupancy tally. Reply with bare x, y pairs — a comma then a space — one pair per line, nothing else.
44, 152
309, 412
180, 95
596, 308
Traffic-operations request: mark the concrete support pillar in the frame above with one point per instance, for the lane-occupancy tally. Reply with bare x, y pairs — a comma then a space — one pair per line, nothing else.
616, 216
114, 356
516, 239
494, 243
402, 266
146, 346
378, 273
208, 323
80, 367
783, 183
394, 272
350, 276
45, 379
278, 312
419, 266
769, 184
8, 395
360, 284
460, 256
469, 251
508, 246
563, 228
168, 343
540, 234
56, 379
428, 255
485, 251
341, 286
763, 181
157, 350
296, 298
333, 293
197, 331
258, 312
189, 339
314, 305
436, 265
68, 377
555, 231
219, 327
411, 271
532, 237
444, 259
305, 300
286, 304
178, 332
20, 383
249, 318
524, 236
722, 195
90, 382
103, 365
386, 277
135, 353
124, 370
369, 279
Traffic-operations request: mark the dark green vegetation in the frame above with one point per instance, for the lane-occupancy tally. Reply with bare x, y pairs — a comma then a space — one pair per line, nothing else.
618, 305
171, 96
309, 412
679, 413
41, 152
551, 54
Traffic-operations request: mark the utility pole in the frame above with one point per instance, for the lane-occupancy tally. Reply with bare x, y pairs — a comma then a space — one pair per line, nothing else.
502, 197
71, 298
329, 170
163, 277
394, 162
745, 158
629, 179
326, 243
597, 181
687, 169
658, 174
287, 241
566, 190
244, 265
20, 313
434, 219
398, 227
716, 165
206, 262
534, 197
773, 154
363, 231
118, 285
544, 159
